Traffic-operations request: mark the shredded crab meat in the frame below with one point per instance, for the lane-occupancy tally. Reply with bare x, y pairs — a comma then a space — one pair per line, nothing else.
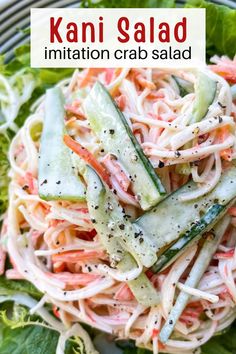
54, 245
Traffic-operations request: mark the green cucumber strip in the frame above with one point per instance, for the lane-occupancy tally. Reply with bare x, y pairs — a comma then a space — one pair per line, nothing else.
96, 200
213, 214
111, 127
57, 180
205, 90
185, 87
105, 224
141, 287
112, 225
172, 218
208, 249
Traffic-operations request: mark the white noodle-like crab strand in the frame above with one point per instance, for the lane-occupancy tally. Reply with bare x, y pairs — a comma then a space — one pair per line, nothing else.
198, 293
209, 184
194, 152
197, 129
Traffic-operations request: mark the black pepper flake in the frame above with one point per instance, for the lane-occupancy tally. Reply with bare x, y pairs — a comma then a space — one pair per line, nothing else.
141, 240
111, 131
136, 234
170, 322
25, 187
127, 216
220, 119
89, 269
221, 105
102, 150
177, 153
96, 207
122, 226
44, 182
134, 157
93, 221
195, 206
161, 164
58, 182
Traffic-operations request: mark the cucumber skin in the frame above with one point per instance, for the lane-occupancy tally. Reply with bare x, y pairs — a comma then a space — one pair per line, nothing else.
96, 196
128, 235
148, 196
214, 213
199, 267
185, 87
166, 222
57, 179
141, 287
205, 94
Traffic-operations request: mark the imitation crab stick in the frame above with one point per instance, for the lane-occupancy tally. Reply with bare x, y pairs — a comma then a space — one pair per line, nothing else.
88, 157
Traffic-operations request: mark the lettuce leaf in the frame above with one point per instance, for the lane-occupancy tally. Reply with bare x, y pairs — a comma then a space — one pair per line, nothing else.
28, 340
219, 344
22, 333
4, 166
32, 340
45, 77
10, 287
222, 344
40, 79
220, 27
128, 3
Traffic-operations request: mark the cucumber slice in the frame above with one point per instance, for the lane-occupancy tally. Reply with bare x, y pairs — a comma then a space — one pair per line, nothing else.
57, 179
110, 125
141, 287
205, 90
185, 87
205, 224
107, 217
112, 225
206, 253
173, 219
96, 200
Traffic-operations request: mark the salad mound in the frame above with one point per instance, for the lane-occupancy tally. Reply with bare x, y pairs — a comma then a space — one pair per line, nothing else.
113, 176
